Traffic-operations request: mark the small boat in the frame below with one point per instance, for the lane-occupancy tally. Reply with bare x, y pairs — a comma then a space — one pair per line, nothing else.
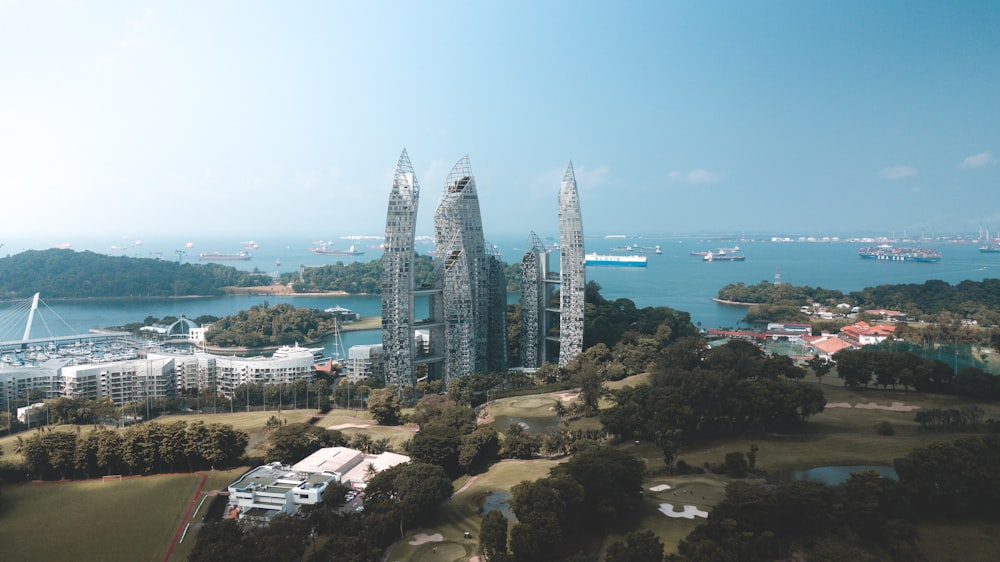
251, 245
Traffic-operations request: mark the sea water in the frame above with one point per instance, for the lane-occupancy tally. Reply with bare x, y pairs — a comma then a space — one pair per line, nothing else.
673, 278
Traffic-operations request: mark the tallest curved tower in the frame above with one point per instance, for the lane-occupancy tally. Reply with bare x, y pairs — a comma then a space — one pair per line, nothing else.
571, 271
458, 239
397, 275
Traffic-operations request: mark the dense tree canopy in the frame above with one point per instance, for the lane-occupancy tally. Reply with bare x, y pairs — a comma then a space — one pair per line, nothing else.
146, 448
366, 277
409, 492
265, 325
293, 442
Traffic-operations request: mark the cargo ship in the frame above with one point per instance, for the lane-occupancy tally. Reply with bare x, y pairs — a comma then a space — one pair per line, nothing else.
722, 255
892, 253
620, 261
324, 251
219, 256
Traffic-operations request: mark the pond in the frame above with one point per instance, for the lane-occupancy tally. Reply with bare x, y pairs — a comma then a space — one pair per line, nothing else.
499, 501
833, 475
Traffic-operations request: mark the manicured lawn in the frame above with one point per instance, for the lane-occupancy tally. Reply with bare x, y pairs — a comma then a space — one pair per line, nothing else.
130, 519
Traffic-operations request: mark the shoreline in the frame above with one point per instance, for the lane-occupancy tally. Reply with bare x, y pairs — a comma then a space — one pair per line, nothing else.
735, 303
280, 290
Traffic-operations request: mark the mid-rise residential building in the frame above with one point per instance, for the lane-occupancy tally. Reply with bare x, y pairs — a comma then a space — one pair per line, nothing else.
365, 361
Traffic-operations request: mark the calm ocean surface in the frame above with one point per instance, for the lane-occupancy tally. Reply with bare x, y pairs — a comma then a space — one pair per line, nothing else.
674, 278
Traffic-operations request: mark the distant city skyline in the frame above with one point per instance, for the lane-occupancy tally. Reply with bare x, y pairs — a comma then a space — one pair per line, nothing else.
254, 119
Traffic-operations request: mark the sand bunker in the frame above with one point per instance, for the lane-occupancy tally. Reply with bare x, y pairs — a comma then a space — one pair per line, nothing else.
690, 511
421, 538
660, 488
892, 407
350, 426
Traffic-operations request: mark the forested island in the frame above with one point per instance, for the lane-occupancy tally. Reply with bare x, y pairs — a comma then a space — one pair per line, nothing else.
366, 277
58, 273
63, 273
931, 301
264, 325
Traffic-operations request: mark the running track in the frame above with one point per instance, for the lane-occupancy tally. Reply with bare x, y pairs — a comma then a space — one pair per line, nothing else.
187, 515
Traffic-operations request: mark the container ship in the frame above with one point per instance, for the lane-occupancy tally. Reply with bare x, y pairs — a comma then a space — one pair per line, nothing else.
620, 261
892, 253
219, 256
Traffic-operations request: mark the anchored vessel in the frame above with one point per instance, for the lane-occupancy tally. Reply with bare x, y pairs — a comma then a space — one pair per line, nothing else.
219, 256
621, 261
722, 255
324, 251
892, 253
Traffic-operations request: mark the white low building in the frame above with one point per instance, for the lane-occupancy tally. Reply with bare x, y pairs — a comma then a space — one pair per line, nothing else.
268, 490
274, 488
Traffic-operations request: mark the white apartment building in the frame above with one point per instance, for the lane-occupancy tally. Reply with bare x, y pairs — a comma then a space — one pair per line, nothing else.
365, 361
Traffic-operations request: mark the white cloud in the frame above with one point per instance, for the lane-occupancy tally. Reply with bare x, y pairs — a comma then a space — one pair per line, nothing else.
588, 177
697, 176
897, 172
981, 160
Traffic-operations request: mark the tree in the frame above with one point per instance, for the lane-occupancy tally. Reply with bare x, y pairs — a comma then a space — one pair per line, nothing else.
479, 447
492, 535
820, 366
519, 445
611, 480
409, 492
295, 441
638, 546
546, 512
438, 446
736, 465
385, 406
219, 541
591, 386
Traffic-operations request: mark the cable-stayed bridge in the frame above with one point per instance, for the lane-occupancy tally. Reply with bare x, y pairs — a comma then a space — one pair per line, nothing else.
17, 322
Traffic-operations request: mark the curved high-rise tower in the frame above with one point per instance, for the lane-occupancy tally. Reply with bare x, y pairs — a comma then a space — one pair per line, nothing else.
549, 330
534, 296
571, 272
458, 239
397, 275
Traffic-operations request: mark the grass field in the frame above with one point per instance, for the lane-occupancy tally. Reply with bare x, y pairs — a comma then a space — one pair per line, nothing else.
130, 519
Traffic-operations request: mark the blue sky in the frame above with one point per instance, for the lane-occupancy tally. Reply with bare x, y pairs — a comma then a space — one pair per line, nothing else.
259, 118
